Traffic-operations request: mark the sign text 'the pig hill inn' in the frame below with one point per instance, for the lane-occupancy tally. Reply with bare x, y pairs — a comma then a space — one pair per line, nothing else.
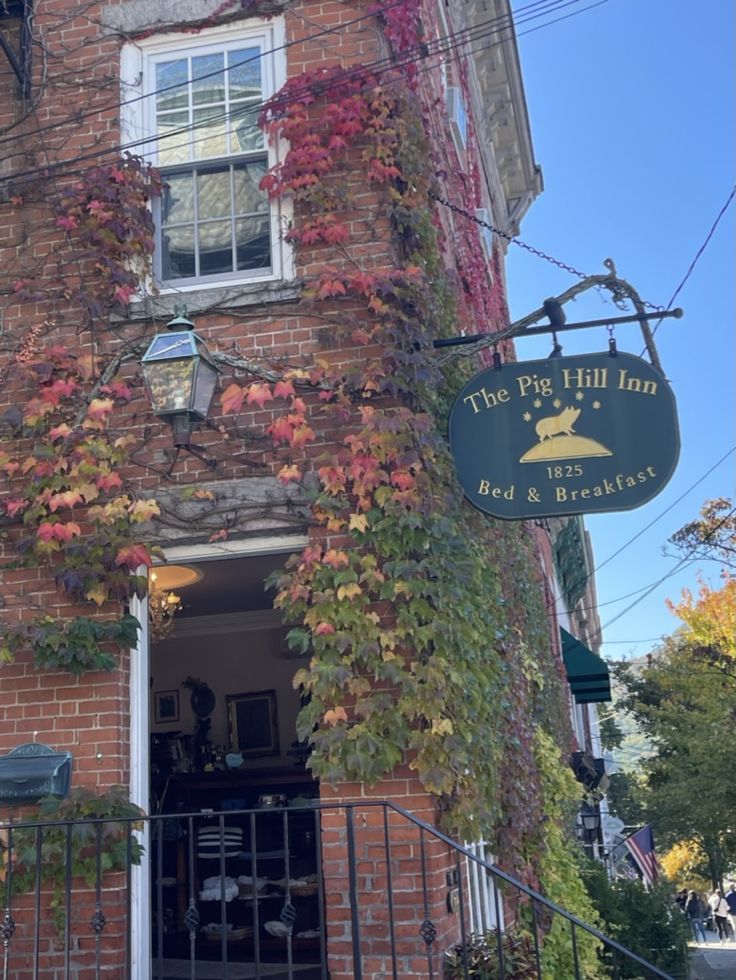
568, 435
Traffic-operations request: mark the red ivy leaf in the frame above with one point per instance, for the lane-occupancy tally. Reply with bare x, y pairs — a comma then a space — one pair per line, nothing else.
133, 555
259, 394
283, 389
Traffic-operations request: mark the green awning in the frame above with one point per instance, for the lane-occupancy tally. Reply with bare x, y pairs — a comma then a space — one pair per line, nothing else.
587, 673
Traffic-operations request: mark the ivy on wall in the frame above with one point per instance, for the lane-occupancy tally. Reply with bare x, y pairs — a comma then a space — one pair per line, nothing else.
424, 622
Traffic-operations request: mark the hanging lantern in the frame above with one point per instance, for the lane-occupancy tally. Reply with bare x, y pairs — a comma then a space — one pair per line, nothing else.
180, 378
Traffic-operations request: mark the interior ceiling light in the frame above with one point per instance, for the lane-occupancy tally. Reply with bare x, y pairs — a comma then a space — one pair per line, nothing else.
163, 601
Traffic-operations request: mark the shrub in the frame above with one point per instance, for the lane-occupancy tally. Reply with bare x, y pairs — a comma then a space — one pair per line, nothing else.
479, 958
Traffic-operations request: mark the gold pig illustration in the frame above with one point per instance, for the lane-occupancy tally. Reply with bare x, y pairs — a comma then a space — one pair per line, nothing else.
558, 440
554, 425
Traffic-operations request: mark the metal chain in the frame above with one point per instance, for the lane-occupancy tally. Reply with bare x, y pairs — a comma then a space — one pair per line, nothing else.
529, 248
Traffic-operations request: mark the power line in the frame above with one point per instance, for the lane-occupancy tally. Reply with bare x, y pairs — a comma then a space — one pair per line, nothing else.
388, 64
480, 32
677, 568
647, 639
648, 586
584, 581
119, 104
699, 252
317, 35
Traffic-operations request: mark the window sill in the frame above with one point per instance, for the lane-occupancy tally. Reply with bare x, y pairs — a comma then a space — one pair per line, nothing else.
214, 298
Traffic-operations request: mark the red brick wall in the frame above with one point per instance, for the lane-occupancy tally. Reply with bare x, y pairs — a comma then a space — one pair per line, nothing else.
89, 716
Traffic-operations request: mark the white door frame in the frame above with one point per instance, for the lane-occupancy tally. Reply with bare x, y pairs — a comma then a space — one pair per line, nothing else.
139, 736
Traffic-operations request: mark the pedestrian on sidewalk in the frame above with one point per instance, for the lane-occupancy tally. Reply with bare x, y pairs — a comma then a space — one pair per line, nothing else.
731, 899
719, 905
695, 911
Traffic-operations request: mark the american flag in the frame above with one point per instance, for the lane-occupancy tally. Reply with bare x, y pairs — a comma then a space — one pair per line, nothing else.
641, 848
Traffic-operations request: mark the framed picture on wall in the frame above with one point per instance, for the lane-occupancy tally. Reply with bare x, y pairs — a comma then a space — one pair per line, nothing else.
252, 723
165, 707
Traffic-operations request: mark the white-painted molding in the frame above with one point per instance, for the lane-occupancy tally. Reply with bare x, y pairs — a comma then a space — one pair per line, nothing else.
140, 907
280, 544
242, 622
139, 707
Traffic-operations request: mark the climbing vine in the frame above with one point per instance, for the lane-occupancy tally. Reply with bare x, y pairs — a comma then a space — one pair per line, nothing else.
423, 622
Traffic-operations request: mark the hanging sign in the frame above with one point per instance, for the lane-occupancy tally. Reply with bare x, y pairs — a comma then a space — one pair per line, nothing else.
569, 435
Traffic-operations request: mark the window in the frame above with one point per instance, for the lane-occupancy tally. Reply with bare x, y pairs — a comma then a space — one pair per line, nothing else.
458, 117
486, 234
199, 120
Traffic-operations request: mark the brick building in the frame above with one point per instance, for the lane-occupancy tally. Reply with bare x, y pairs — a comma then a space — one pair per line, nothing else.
302, 148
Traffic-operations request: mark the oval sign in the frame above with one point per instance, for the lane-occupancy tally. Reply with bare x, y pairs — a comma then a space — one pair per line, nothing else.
569, 435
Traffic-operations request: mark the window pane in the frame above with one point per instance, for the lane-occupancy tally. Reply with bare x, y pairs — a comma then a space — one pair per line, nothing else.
173, 137
170, 383
208, 79
177, 259
215, 247
244, 76
210, 132
178, 201
248, 196
168, 74
253, 243
213, 193
244, 124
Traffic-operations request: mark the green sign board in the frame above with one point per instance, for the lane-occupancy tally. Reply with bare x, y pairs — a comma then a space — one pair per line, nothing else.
569, 435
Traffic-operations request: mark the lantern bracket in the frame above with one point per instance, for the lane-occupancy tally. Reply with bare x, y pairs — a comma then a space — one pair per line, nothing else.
181, 428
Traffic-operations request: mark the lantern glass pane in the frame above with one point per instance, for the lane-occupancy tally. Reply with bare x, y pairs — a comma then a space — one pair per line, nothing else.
170, 384
204, 388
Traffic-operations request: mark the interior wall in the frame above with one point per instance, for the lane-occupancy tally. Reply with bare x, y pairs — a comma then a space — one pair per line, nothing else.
240, 662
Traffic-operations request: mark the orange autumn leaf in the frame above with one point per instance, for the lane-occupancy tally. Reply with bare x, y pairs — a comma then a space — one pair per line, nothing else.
232, 399
333, 715
258, 394
132, 556
100, 408
336, 559
68, 498
289, 474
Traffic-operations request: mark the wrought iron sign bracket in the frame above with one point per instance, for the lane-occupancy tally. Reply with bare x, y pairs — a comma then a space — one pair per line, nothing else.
620, 290
20, 62
557, 327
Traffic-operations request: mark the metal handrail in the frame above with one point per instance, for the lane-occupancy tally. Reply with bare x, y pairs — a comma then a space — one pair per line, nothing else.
520, 886
427, 931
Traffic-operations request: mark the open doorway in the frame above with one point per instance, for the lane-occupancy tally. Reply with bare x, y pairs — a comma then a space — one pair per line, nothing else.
234, 847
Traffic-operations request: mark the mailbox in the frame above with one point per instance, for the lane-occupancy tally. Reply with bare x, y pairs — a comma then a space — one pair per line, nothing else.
32, 771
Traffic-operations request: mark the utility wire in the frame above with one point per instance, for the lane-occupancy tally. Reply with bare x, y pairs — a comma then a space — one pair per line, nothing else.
699, 252
391, 65
643, 588
376, 67
584, 581
674, 571
119, 104
504, 21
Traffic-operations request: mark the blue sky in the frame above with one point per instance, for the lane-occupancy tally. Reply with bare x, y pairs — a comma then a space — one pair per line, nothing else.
631, 107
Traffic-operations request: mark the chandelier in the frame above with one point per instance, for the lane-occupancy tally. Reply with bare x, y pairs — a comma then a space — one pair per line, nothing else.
163, 600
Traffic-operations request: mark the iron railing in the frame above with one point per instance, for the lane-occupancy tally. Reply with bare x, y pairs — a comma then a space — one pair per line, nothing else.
362, 890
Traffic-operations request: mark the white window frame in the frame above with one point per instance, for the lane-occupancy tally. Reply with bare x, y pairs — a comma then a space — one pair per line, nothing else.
486, 235
137, 126
458, 117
